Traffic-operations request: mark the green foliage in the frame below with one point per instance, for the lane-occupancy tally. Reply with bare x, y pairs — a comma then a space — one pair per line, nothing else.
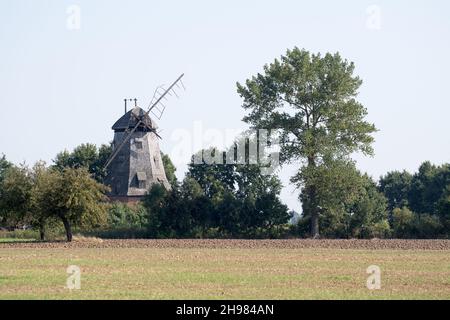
402, 222
426, 194
217, 199
42, 178
428, 187
15, 198
229, 214
428, 227
121, 215
74, 197
350, 204
168, 217
381, 229
4, 166
396, 186
40, 196
370, 215
311, 99
251, 217
85, 156
215, 179
270, 214
336, 183
19, 235
170, 169
244, 201
21, 199
407, 224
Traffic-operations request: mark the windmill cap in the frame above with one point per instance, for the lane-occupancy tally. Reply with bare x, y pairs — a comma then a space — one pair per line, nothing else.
130, 119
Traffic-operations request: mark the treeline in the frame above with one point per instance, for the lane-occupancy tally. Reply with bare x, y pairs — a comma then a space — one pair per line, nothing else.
222, 201
419, 203
212, 201
399, 205
219, 200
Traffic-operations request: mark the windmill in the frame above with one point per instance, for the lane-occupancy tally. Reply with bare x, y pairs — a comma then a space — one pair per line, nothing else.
135, 163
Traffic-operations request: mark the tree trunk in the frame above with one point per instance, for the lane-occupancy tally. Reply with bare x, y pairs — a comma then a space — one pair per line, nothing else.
42, 232
315, 225
42, 229
312, 203
68, 228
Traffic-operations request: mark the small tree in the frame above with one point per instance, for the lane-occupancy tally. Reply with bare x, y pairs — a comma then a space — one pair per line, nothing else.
41, 177
75, 198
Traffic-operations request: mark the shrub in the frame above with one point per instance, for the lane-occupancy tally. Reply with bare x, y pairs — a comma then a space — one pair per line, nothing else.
403, 222
381, 230
126, 216
428, 226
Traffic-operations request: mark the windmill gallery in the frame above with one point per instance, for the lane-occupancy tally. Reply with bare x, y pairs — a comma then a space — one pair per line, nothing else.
135, 163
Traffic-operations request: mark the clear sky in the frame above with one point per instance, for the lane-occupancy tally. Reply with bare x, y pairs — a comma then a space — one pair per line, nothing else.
63, 83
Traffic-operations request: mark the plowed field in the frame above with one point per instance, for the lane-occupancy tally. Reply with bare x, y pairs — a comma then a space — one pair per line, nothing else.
226, 269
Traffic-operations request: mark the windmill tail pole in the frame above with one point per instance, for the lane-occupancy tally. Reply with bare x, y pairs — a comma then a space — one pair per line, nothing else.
121, 145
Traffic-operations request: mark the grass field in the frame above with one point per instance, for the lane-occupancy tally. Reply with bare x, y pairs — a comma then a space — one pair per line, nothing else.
31, 271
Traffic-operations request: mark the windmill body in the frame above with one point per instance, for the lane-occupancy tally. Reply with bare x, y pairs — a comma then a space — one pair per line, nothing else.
137, 164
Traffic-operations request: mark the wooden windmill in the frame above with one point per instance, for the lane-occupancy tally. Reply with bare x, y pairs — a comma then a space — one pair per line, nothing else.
135, 163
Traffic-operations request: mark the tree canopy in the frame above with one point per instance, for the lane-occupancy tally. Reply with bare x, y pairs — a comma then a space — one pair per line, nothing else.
86, 155
74, 197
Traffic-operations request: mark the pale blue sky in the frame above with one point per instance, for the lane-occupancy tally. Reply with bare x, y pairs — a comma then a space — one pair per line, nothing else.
61, 87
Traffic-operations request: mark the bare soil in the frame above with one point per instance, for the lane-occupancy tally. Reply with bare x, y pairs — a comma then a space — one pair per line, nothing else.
375, 244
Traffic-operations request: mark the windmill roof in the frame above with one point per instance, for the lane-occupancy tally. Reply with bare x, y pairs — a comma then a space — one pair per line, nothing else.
130, 119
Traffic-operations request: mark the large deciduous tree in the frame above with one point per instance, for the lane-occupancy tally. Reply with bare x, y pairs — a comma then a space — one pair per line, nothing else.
311, 100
